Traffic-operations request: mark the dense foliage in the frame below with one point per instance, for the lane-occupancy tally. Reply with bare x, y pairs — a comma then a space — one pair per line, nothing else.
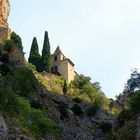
46, 55
84, 89
16, 87
133, 83
43, 62
65, 87
8, 45
135, 103
127, 123
34, 56
16, 39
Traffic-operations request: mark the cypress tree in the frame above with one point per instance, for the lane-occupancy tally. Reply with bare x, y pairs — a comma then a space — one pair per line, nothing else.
16, 40
34, 57
46, 55
65, 87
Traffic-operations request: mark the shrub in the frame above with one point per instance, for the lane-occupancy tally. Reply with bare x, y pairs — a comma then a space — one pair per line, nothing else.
89, 90
36, 105
65, 87
36, 124
77, 110
135, 103
124, 116
63, 110
16, 40
4, 69
92, 110
4, 57
9, 101
80, 80
106, 127
77, 100
128, 132
8, 45
22, 81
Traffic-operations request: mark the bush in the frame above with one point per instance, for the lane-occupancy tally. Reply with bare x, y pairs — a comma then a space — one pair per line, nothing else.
92, 110
128, 132
79, 81
8, 45
89, 90
77, 100
63, 110
4, 57
16, 40
124, 116
135, 103
33, 120
8, 101
22, 81
4, 69
106, 127
36, 105
77, 110
65, 87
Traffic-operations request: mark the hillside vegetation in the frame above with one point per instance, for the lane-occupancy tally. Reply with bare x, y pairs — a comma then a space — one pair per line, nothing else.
17, 87
43, 106
34, 104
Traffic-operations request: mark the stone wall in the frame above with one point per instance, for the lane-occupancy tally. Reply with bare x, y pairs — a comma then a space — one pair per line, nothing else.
16, 56
63, 69
66, 70
71, 73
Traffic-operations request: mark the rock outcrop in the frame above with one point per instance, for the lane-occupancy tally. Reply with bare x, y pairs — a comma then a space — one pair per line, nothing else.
4, 12
3, 129
72, 117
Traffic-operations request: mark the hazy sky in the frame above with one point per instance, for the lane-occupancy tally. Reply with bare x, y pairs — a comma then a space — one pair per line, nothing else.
102, 37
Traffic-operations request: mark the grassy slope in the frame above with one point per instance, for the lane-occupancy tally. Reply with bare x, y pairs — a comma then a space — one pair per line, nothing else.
55, 84
16, 88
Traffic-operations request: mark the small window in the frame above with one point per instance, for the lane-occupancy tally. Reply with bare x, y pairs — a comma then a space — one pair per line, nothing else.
55, 59
56, 69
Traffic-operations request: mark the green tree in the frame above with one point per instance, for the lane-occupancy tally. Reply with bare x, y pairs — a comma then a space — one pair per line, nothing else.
46, 55
80, 80
135, 103
35, 57
8, 45
16, 39
65, 87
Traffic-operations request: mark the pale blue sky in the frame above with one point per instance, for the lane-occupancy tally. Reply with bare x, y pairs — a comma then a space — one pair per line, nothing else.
102, 37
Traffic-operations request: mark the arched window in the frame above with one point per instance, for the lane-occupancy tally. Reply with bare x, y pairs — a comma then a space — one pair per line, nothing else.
55, 58
56, 69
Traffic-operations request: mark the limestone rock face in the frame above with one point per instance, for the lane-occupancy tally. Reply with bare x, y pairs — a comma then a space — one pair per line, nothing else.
4, 12
5, 32
3, 129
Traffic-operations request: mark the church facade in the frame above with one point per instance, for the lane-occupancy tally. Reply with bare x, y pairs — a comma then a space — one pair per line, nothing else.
62, 65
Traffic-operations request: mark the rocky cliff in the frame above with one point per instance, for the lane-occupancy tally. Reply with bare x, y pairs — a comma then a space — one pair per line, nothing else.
4, 12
